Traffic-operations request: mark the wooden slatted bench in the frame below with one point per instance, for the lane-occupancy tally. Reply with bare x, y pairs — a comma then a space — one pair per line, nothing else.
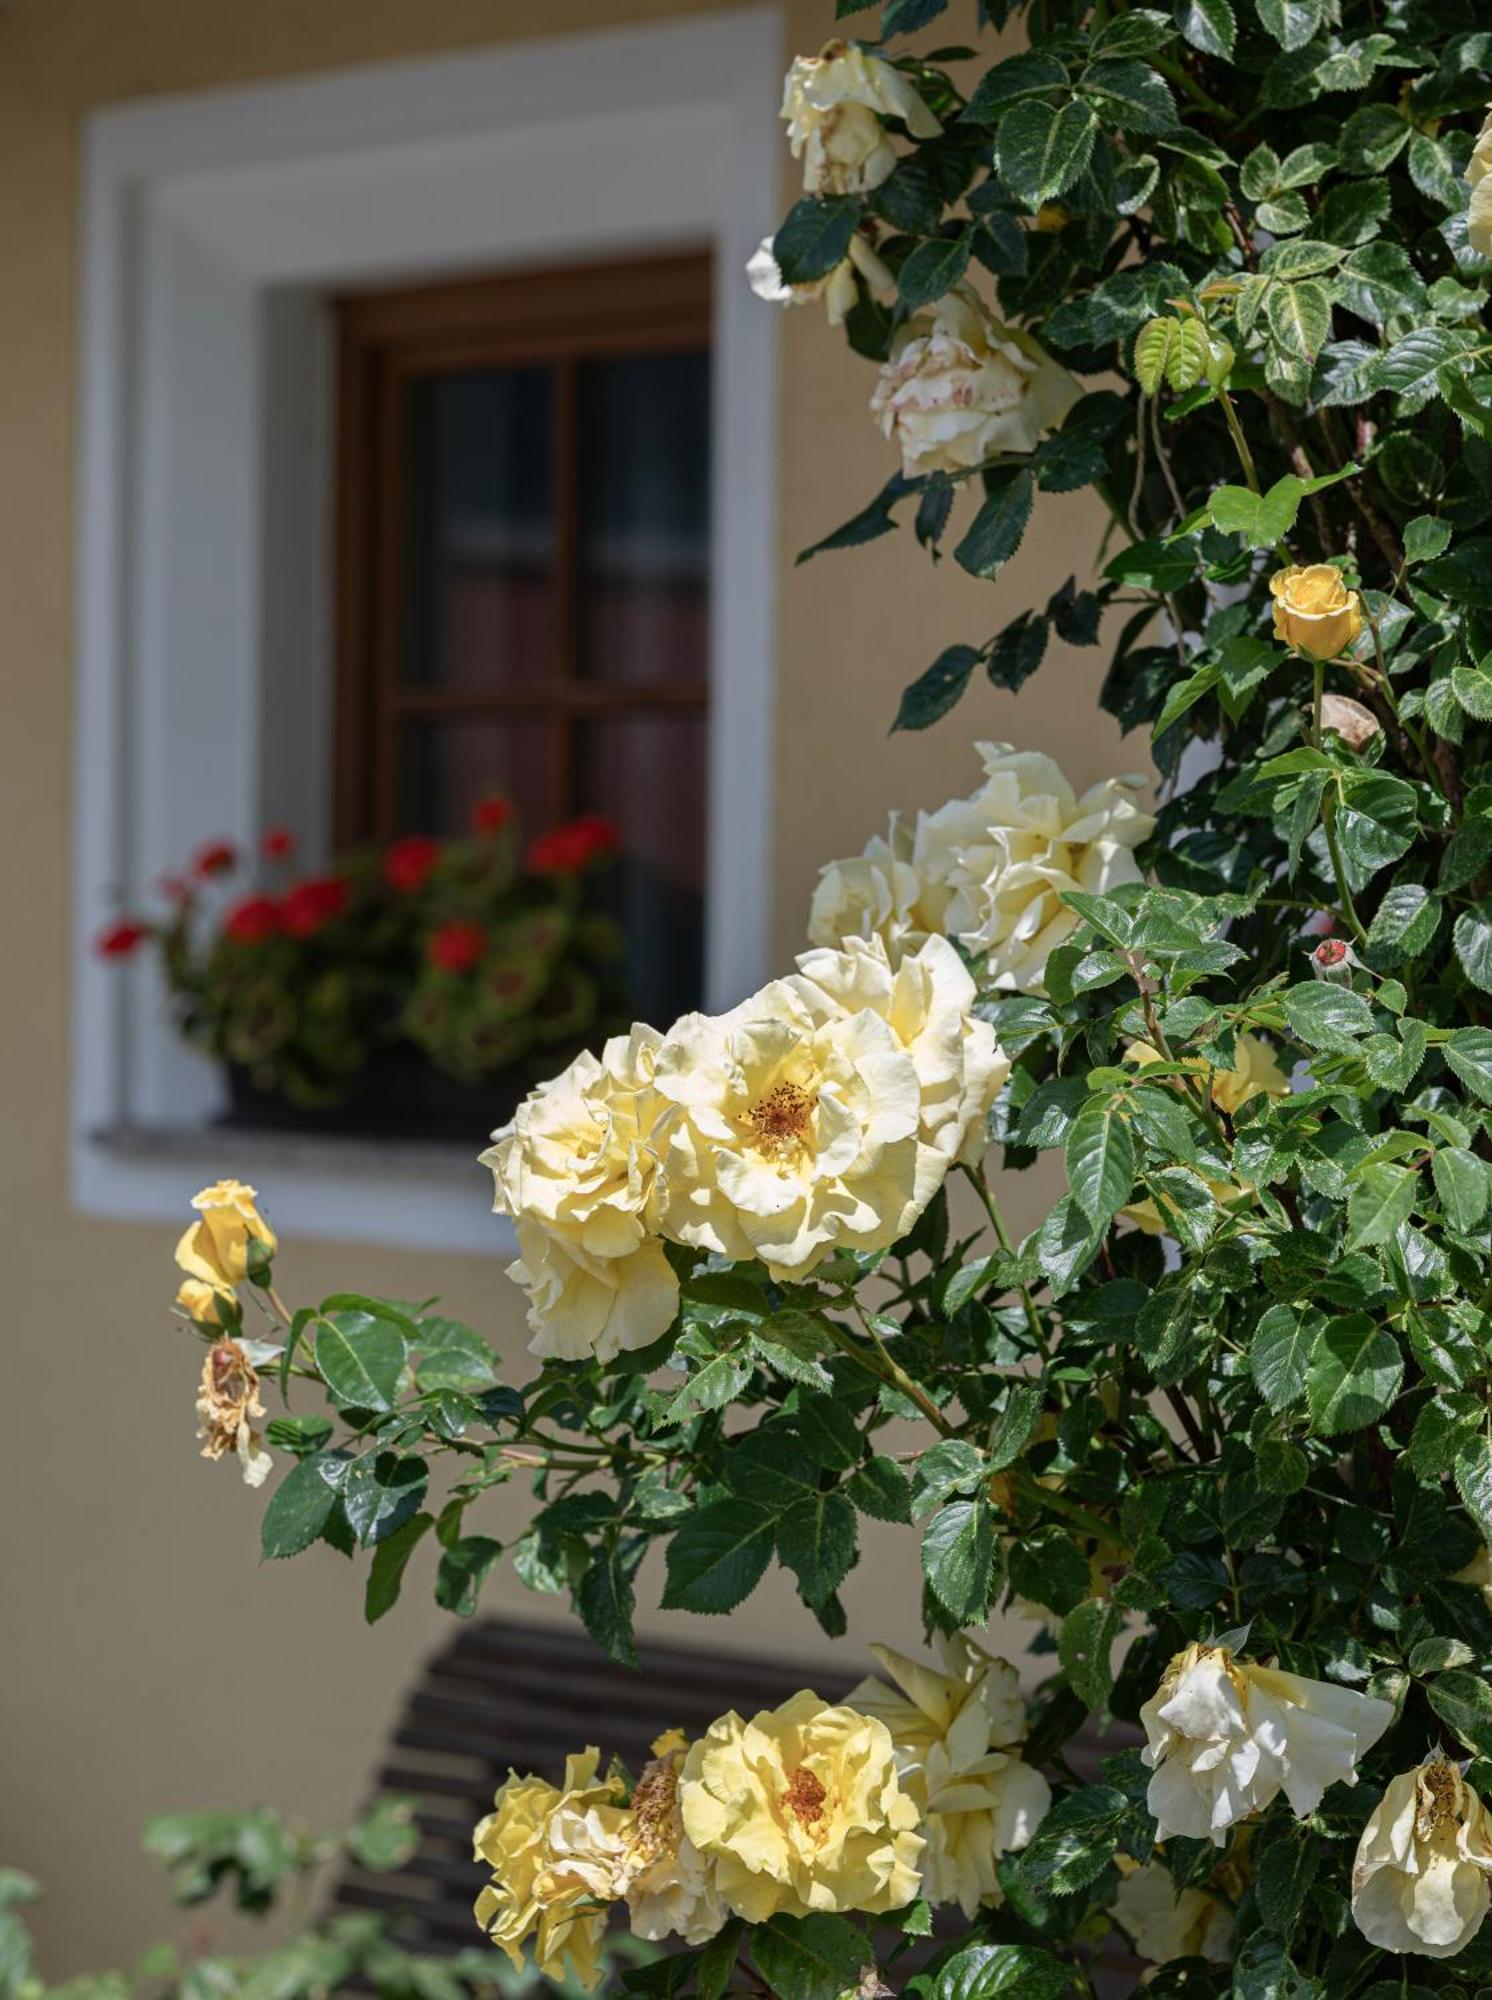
505, 1695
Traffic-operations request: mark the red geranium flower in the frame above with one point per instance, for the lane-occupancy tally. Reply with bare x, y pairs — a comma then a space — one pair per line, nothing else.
456, 947
313, 903
253, 920
278, 844
216, 858
120, 940
569, 848
409, 863
492, 814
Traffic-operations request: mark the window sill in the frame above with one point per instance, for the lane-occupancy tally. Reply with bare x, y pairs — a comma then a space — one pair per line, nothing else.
400, 1193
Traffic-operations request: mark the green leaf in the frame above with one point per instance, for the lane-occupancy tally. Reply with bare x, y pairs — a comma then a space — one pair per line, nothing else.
464, 1566
995, 533
1100, 1157
1024, 1403
1404, 923
1463, 1701
1425, 538
1353, 1374
815, 238
958, 1559
872, 521
1461, 1181
951, 1466
1076, 1841
1472, 687
1284, 1861
299, 1507
380, 1493
933, 693
1381, 1200
992, 1972
1326, 1016
828, 1430
1131, 95
718, 1556
450, 1355
1473, 940
1084, 1644
1278, 1353
1030, 74
933, 268
880, 1487
390, 1560
1040, 149
361, 1359
1291, 22
605, 1600
817, 1541
1299, 317
809, 1958
1469, 1053
1209, 25
718, 1382
1473, 1470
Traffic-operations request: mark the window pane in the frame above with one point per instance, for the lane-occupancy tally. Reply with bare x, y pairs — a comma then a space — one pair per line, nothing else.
646, 772
644, 518
479, 607
445, 767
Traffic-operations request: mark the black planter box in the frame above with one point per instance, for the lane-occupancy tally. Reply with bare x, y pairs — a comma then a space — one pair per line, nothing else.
399, 1095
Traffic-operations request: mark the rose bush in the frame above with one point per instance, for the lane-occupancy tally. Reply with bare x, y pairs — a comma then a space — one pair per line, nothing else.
1220, 1421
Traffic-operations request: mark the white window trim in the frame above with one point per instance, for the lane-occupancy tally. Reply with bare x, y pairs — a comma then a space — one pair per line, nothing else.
214, 225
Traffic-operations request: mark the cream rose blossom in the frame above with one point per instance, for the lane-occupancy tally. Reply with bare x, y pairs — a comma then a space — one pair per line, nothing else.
1224, 1737
957, 1735
959, 388
1479, 179
989, 869
833, 104
838, 290
577, 1170
1007, 854
1165, 1922
227, 1405
671, 1889
1420, 1876
824, 1112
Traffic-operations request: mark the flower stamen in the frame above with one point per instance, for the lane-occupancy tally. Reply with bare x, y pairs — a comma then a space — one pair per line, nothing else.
805, 1796
779, 1121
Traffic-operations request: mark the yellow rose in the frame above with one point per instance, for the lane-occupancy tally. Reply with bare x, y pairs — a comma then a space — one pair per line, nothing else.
227, 1401
1314, 611
1420, 1879
216, 1249
877, 893
1254, 1073
1477, 1575
199, 1301
800, 1809
558, 1857
833, 104
955, 1735
577, 1169
1479, 179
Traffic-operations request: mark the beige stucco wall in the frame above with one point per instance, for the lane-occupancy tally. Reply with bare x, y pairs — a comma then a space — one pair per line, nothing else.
147, 1660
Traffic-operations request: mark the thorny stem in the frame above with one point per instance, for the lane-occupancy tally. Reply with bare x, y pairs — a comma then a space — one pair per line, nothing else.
890, 1370
1002, 1236
1240, 442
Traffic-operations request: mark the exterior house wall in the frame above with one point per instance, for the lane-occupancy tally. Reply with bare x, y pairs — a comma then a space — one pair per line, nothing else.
149, 1660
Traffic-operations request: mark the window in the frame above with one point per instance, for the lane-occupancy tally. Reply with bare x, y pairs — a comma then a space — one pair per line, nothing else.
524, 479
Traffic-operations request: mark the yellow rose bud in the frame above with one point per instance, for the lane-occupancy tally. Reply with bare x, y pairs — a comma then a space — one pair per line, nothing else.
216, 1248
1314, 611
199, 1302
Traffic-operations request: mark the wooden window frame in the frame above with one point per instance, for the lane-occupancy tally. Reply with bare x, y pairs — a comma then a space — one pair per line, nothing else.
560, 318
